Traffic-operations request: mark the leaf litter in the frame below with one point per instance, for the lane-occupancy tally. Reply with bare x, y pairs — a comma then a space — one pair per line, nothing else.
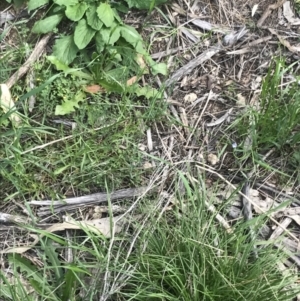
232, 60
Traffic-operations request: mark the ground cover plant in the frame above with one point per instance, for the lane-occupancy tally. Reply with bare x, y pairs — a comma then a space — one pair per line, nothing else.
182, 255
123, 179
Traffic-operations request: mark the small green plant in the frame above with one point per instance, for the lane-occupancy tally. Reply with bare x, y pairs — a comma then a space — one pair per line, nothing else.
189, 257
111, 52
279, 118
273, 123
54, 281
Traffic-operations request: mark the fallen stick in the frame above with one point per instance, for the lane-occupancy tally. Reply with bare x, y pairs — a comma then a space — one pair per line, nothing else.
268, 11
229, 40
36, 53
92, 198
50, 207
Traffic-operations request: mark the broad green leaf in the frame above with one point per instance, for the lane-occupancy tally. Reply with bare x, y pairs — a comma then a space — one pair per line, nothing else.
117, 17
121, 7
26, 267
70, 280
146, 91
66, 2
105, 33
133, 38
115, 56
60, 66
100, 43
65, 49
69, 106
130, 34
92, 18
114, 35
159, 68
117, 75
139, 47
46, 25
17, 3
49, 250
111, 86
156, 68
83, 34
144, 4
33, 4
40, 88
76, 12
106, 14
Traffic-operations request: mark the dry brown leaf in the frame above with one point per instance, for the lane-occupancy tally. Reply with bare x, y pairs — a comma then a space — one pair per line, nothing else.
98, 226
212, 159
147, 165
295, 218
7, 104
191, 97
131, 81
140, 61
93, 89
291, 48
21, 250
254, 9
289, 14
281, 228
241, 100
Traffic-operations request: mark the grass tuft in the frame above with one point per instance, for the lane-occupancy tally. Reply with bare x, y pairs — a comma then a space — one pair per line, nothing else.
190, 257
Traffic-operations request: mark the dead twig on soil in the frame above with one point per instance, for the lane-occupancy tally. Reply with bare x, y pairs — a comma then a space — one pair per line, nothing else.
247, 198
268, 11
62, 205
229, 40
204, 56
36, 53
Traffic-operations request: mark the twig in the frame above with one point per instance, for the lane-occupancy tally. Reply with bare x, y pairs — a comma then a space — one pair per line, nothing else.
72, 203
6, 218
200, 117
221, 119
219, 217
249, 200
191, 65
92, 198
229, 40
164, 53
36, 53
268, 11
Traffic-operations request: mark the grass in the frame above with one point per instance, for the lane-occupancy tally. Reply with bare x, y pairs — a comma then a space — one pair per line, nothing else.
180, 262
90, 158
184, 256
272, 124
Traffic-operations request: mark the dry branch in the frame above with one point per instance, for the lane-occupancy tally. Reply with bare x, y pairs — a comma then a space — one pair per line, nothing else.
268, 11
57, 206
38, 50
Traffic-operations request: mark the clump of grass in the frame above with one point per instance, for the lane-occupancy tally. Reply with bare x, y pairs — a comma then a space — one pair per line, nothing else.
183, 256
278, 120
191, 257
273, 122
89, 160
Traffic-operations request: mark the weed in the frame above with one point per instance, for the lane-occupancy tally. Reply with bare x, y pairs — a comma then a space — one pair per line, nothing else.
178, 261
273, 123
185, 255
